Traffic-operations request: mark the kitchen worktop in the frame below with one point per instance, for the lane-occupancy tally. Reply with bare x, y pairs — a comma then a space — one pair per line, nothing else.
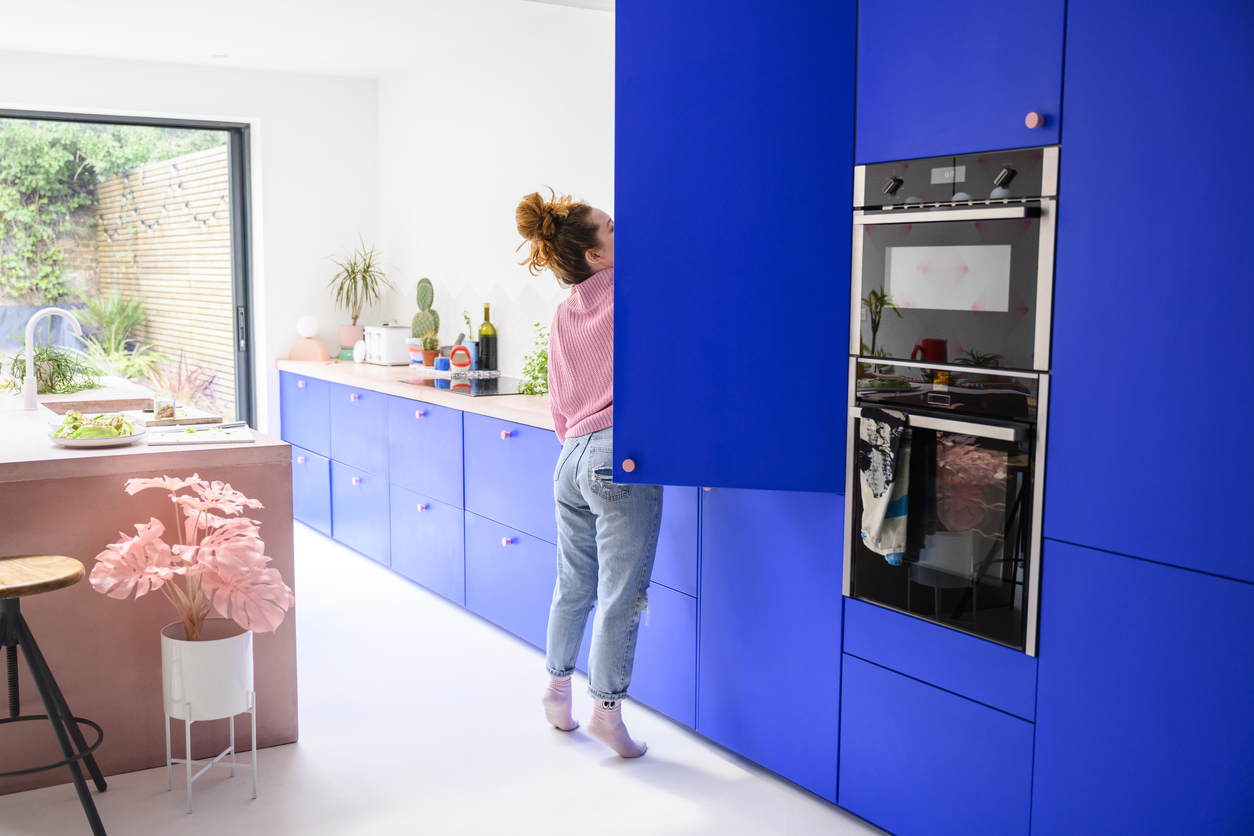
532, 410
27, 453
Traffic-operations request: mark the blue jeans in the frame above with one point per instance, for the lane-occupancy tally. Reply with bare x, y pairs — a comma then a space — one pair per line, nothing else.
606, 541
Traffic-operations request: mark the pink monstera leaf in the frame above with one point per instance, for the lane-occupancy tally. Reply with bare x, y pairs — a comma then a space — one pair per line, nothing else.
170, 483
233, 571
218, 496
137, 564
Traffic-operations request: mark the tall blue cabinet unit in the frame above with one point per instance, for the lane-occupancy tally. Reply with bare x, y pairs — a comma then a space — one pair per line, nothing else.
769, 674
733, 171
1150, 289
957, 77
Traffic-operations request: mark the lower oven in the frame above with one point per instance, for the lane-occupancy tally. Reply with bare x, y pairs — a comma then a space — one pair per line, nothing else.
958, 541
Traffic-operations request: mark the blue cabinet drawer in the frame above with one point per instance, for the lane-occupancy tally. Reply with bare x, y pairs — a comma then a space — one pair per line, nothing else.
917, 760
428, 543
311, 489
509, 474
678, 541
510, 584
665, 673
359, 428
304, 412
975, 668
425, 449
359, 511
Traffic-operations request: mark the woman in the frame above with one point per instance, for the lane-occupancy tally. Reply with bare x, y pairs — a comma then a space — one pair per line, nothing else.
607, 532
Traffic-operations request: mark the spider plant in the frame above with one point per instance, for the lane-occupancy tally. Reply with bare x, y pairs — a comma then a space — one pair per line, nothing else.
877, 301
190, 385
971, 357
360, 281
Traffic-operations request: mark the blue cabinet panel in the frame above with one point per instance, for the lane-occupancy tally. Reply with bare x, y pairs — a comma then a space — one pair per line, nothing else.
510, 479
425, 449
359, 428
510, 585
677, 543
304, 419
359, 511
957, 77
1143, 720
919, 761
1134, 470
665, 672
770, 608
311, 489
974, 668
741, 113
428, 543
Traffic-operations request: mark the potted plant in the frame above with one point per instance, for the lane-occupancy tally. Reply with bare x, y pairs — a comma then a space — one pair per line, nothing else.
218, 565
426, 324
430, 349
358, 283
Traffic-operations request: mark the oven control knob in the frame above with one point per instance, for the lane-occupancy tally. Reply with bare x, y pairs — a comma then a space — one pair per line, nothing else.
893, 184
1034, 120
1003, 179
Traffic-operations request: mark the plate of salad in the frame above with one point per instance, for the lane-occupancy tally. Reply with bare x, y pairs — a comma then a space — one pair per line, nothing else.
107, 430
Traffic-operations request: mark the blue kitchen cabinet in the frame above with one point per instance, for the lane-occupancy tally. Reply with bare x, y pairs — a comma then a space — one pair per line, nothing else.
425, 449
1142, 721
359, 511
311, 489
739, 116
919, 761
510, 577
509, 474
972, 667
665, 673
678, 541
359, 428
958, 77
770, 630
428, 544
1153, 298
304, 412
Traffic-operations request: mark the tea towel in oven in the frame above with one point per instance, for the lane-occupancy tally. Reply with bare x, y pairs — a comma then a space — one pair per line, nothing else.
884, 476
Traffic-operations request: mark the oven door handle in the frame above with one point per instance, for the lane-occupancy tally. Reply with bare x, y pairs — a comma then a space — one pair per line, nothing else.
1002, 432
909, 216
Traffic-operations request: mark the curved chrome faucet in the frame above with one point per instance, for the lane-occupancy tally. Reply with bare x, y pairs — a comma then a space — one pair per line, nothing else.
29, 386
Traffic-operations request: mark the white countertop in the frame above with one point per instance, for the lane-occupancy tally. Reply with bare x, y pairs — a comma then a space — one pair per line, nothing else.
532, 410
27, 453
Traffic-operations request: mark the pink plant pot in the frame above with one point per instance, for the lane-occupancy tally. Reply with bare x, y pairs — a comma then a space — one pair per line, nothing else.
350, 334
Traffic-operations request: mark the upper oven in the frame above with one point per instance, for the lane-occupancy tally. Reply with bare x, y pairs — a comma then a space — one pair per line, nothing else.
953, 259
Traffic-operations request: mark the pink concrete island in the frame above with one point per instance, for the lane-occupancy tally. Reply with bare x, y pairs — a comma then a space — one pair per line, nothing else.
106, 653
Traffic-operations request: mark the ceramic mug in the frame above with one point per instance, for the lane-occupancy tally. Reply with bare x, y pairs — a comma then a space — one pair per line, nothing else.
934, 351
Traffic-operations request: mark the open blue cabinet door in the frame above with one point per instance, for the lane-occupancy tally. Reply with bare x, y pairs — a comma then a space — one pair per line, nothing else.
733, 187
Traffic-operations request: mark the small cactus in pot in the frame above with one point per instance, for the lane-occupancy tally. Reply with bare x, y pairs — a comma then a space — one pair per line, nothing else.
430, 348
426, 321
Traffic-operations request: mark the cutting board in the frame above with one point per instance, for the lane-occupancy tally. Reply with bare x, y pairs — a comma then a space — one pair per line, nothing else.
183, 415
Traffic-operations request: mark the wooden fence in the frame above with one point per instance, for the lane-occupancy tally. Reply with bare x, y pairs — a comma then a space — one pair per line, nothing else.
163, 233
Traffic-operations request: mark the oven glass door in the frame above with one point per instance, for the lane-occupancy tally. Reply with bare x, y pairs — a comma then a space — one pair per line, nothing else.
966, 537
955, 285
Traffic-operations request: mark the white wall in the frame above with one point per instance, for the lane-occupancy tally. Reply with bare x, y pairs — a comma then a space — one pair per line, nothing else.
462, 139
315, 156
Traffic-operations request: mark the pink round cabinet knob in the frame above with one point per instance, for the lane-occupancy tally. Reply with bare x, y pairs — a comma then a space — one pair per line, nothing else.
628, 465
707, 489
505, 541
356, 480
1034, 119
300, 459
422, 507
504, 435
300, 384
418, 413
354, 397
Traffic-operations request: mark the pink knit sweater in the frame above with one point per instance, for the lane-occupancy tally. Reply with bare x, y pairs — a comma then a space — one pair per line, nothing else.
581, 358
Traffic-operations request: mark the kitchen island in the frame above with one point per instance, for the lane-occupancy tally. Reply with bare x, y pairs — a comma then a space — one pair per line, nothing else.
106, 653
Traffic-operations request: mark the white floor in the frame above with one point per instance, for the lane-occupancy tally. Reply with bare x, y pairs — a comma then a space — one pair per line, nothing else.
418, 717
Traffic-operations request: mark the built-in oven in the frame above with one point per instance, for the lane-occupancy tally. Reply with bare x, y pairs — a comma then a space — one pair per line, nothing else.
949, 387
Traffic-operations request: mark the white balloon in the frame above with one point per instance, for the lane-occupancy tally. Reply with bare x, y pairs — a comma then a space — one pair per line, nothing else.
359, 352
307, 326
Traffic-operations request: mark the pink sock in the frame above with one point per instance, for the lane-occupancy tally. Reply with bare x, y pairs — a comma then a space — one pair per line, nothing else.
556, 700
607, 726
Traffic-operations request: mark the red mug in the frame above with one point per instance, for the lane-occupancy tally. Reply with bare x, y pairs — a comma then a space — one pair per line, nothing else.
934, 351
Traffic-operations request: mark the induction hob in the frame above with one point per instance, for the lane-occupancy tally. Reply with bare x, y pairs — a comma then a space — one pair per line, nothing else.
471, 387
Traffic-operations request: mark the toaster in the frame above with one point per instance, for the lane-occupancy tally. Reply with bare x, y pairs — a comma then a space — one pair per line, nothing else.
385, 345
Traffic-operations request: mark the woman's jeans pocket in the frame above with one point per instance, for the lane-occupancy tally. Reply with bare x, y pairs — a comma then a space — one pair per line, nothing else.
601, 475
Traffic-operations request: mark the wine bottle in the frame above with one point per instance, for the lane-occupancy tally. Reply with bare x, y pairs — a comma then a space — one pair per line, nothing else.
487, 341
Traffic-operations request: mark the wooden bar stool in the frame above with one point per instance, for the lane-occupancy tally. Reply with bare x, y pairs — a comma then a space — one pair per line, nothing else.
32, 574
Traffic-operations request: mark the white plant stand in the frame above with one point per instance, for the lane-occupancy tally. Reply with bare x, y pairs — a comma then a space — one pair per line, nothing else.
210, 679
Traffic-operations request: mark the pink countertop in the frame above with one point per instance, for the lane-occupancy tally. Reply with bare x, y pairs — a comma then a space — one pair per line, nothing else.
532, 410
27, 453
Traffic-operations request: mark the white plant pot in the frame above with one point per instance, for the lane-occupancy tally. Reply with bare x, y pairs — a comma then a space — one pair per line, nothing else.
214, 676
